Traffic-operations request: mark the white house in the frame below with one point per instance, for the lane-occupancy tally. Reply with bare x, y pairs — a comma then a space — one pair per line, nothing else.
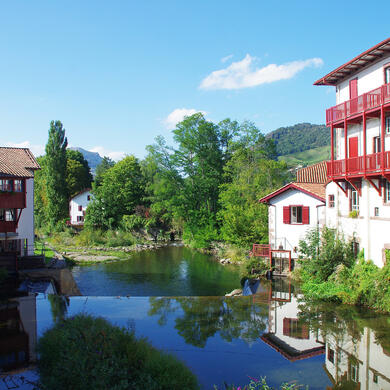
78, 205
295, 209
17, 166
358, 195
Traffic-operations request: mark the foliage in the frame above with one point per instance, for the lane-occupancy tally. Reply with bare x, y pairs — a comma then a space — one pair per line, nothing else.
300, 137
324, 251
307, 157
254, 267
78, 175
55, 174
101, 169
95, 237
40, 193
86, 352
3, 274
121, 190
261, 384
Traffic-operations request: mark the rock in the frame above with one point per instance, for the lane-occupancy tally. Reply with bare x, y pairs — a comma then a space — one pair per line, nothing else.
235, 293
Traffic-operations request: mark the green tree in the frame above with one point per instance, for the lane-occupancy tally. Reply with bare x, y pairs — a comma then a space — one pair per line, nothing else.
101, 169
40, 192
55, 173
78, 175
122, 189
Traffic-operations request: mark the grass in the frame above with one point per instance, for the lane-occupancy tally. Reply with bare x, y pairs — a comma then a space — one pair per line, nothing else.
307, 157
85, 352
40, 248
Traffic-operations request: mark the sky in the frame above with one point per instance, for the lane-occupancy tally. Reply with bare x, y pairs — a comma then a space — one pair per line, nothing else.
119, 73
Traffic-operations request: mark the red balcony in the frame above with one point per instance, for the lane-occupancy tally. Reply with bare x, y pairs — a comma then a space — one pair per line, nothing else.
8, 226
355, 166
368, 101
12, 200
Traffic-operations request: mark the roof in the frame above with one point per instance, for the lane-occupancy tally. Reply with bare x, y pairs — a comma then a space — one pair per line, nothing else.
312, 189
315, 173
81, 192
368, 57
310, 180
17, 162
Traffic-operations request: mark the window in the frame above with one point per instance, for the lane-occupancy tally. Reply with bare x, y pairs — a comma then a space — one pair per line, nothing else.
353, 200
88, 197
331, 200
80, 208
387, 75
376, 148
7, 215
387, 192
294, 328
376, 211
5, 185
354, 372
80, 218
331, 355
296, 215
375, 378
18, 187
387, 124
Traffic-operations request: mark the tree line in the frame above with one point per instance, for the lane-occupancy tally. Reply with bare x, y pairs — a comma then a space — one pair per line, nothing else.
204, 188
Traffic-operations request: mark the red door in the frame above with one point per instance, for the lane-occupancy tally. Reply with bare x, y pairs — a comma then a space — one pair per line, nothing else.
353, 147
353, 88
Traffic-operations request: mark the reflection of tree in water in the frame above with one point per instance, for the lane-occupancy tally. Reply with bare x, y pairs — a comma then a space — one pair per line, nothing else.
203, 317
59, 306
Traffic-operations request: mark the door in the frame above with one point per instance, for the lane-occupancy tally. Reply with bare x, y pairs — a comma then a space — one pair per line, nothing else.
353, 162
353, 88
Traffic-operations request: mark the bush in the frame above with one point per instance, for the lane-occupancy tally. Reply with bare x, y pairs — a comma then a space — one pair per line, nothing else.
253, 268
261, 384
84, 352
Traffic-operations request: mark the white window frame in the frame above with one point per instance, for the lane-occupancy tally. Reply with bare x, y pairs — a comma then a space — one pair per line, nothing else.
387, 192
354, 200
387, 124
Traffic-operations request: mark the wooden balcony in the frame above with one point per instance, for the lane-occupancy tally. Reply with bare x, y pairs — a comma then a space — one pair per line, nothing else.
368, 102
8, 226
375, 165
12, 200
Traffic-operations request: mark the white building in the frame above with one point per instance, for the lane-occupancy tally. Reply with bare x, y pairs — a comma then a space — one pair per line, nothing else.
78, 205
17, 166
358, 197
295, 209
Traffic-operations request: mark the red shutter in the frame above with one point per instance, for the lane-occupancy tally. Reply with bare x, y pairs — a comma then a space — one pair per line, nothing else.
286, 326
305, 215
353, 88
286, 214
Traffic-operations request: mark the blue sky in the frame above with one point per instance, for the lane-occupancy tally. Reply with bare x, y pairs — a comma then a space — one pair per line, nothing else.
119, 73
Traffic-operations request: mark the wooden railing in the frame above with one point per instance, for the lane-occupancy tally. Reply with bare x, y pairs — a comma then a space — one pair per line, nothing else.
367, 101
260, 250
355, 165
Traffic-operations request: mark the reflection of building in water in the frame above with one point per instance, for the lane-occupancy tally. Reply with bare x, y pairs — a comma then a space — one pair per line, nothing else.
362, 362
286, 334
18, 332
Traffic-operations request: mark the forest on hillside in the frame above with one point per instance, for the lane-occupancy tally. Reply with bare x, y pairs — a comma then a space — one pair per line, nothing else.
299, 137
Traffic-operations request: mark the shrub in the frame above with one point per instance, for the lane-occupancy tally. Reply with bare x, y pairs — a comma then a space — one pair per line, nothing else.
261, 384
84, 352
253, 268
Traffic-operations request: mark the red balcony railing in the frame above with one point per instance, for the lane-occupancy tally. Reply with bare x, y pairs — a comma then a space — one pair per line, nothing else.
260, 250
355, 165
367, 101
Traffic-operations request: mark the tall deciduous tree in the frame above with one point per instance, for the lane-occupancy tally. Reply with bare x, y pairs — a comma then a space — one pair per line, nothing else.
78, 172
101, 169
57, 193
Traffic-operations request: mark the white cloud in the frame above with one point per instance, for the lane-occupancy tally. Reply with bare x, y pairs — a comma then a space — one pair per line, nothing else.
37, 150
178, 115
116, 156
227, 58
243, 74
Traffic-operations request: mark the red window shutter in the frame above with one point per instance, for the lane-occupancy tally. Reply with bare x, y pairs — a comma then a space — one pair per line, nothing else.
286, 326
286, 214
305, 215
353, 88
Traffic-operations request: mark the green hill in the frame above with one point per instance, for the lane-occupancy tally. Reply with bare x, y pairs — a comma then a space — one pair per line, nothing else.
307, 157
300, 137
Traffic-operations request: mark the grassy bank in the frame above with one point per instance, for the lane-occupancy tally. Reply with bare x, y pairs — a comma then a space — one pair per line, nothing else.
84, 352
330, 272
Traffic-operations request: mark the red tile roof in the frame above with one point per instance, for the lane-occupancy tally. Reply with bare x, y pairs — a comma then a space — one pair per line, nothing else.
315, 173
18, 162
349, 68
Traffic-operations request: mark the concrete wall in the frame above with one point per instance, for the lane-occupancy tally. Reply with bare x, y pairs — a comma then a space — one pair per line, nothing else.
368, 79
372, 232
289, 235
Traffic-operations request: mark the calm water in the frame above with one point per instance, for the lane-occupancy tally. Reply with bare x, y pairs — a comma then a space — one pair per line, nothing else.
271, 333
170, 271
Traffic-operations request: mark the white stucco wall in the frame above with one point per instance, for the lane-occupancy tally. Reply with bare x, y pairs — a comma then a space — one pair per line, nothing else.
368, 79
75, 202
289, 235
370, 231
25, 229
